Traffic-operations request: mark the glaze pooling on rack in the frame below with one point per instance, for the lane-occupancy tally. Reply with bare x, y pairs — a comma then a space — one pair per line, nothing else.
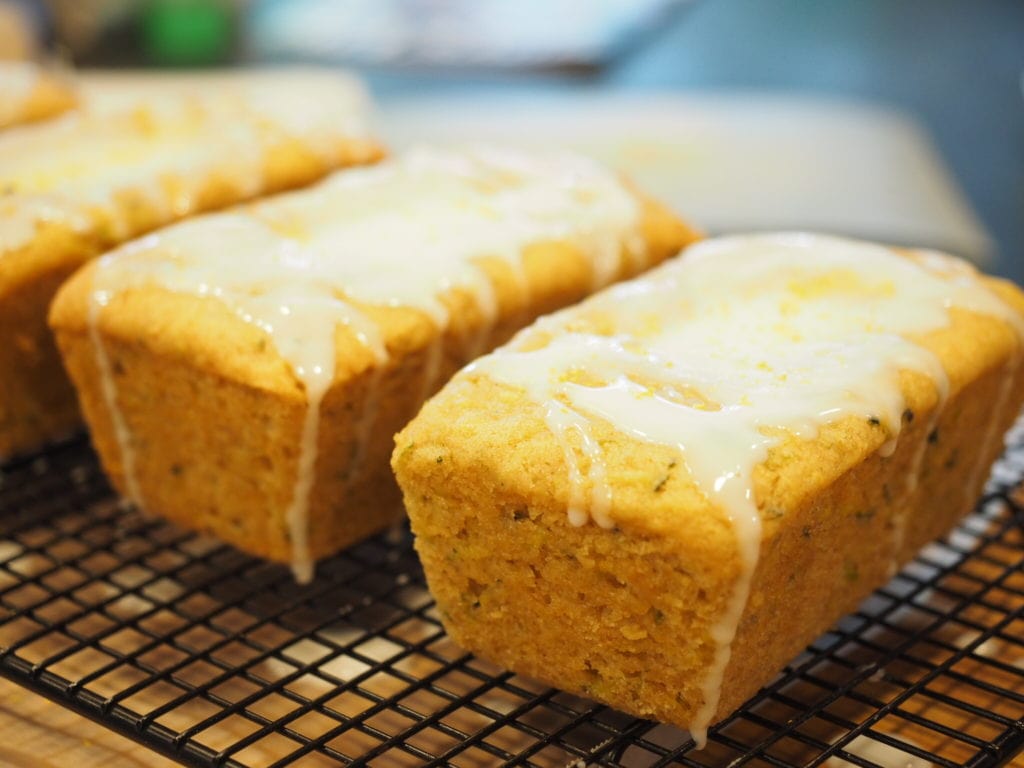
718, 351
403, 233
164, 145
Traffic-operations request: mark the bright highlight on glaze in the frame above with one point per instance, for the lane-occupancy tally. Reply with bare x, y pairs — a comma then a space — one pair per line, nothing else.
401, 234
164, 143
716, 351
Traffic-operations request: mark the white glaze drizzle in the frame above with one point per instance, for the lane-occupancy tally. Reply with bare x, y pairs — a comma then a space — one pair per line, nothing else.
714, 352
316, 103
97, 300
136, 140
399, 234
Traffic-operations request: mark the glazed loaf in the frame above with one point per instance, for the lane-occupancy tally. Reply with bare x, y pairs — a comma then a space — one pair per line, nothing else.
244, 373
80, 184
659, 497
29, 93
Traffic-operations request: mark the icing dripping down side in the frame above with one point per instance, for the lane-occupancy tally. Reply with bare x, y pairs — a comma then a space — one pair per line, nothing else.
399, 234
97, 300
717, 352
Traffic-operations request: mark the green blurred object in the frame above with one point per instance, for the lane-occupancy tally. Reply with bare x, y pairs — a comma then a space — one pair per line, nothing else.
187, 32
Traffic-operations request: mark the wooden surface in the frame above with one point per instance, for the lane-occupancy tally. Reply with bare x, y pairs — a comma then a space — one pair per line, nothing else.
36, 733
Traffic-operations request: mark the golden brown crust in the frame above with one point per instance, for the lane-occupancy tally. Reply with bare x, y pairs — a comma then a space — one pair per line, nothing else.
218, 413
624, 615
36, 399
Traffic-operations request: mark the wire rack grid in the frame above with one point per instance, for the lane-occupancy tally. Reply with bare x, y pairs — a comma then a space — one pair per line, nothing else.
214, 658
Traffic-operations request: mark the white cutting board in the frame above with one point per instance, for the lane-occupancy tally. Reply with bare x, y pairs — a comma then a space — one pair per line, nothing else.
732, 162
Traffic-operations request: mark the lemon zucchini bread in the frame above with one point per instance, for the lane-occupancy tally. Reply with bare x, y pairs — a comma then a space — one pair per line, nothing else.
244, 373
659, 497
77, 185
29, 93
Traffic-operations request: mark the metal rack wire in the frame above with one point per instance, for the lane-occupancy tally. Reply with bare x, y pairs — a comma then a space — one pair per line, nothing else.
214, 658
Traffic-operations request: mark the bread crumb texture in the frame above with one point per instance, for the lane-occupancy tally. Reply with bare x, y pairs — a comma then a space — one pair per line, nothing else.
625, 614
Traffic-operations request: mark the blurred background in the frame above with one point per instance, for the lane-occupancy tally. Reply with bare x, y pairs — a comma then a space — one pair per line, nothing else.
900, 120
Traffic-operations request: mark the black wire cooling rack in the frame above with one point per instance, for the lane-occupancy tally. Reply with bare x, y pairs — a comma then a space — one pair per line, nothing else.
213, 658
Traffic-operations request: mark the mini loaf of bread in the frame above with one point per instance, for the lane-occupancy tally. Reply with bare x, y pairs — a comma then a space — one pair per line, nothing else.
29, 93
245, 373
77, 185
659, 497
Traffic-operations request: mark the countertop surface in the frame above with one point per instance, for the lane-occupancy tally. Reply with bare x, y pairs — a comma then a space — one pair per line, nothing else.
954, 67
36, 733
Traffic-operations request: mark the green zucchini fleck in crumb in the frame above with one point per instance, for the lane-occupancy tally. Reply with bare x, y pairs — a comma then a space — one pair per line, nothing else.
850, 571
